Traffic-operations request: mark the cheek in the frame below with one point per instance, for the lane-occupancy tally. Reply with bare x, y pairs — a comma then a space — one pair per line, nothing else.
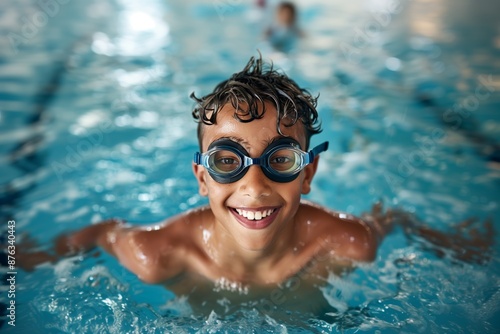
217, 192
292, 190
301, 185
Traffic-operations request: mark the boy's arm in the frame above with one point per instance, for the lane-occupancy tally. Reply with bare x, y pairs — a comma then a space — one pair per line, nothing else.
466, 242
134, 247
379, 222
84, 240
28, 256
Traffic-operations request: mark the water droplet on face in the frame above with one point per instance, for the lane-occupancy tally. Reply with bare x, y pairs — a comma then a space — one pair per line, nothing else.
206, 235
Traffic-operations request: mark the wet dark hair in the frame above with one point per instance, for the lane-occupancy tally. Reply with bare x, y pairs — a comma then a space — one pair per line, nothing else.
248, 90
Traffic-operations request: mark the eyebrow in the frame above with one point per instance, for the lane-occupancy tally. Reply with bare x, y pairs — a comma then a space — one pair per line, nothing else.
239, 140
269, 142
246, 144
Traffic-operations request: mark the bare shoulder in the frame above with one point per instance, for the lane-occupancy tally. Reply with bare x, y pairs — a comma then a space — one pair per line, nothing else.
344, 235
186, 224
161, 251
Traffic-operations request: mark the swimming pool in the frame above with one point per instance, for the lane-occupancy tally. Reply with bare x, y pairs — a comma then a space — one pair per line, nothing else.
95, 122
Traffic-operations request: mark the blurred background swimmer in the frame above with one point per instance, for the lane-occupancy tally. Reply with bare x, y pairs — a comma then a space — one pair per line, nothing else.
284, 31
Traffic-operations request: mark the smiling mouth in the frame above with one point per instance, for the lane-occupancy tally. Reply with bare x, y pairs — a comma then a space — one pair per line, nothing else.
255, 218
255, 215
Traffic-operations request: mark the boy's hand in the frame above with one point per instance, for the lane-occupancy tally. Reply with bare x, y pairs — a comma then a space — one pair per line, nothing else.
470, 241
28, 255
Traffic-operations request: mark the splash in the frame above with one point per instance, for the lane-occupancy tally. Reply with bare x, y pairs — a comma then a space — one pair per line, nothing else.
223, 284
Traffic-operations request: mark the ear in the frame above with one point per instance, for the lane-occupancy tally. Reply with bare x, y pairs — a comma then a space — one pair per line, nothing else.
200, 174
309, 172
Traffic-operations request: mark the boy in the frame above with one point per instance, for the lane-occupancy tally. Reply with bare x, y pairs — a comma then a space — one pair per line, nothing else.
256, 240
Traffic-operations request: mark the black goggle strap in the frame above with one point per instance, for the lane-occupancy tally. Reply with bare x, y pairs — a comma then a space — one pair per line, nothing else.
197, 158
316, 151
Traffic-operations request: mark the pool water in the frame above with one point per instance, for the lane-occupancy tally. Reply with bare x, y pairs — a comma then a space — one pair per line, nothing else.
95, 122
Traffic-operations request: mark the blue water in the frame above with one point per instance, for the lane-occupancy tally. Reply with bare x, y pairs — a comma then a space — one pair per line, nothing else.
95, 122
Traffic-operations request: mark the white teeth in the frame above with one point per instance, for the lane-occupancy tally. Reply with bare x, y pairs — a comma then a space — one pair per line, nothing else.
254, 215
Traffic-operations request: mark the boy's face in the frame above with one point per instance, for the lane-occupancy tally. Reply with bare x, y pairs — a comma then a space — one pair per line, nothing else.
254, 193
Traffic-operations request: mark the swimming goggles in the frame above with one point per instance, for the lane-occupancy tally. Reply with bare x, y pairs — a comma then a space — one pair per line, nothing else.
227, 161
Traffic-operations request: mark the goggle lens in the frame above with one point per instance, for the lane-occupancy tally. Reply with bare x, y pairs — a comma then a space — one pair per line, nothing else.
284, 161
224, 161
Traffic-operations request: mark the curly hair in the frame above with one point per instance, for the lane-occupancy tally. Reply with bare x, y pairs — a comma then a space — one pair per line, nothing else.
248, 90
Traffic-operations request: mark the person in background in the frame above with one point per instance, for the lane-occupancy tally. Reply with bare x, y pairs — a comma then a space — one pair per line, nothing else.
284, 31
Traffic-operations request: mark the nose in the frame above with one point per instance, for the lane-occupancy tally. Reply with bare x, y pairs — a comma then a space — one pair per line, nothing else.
255, 184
